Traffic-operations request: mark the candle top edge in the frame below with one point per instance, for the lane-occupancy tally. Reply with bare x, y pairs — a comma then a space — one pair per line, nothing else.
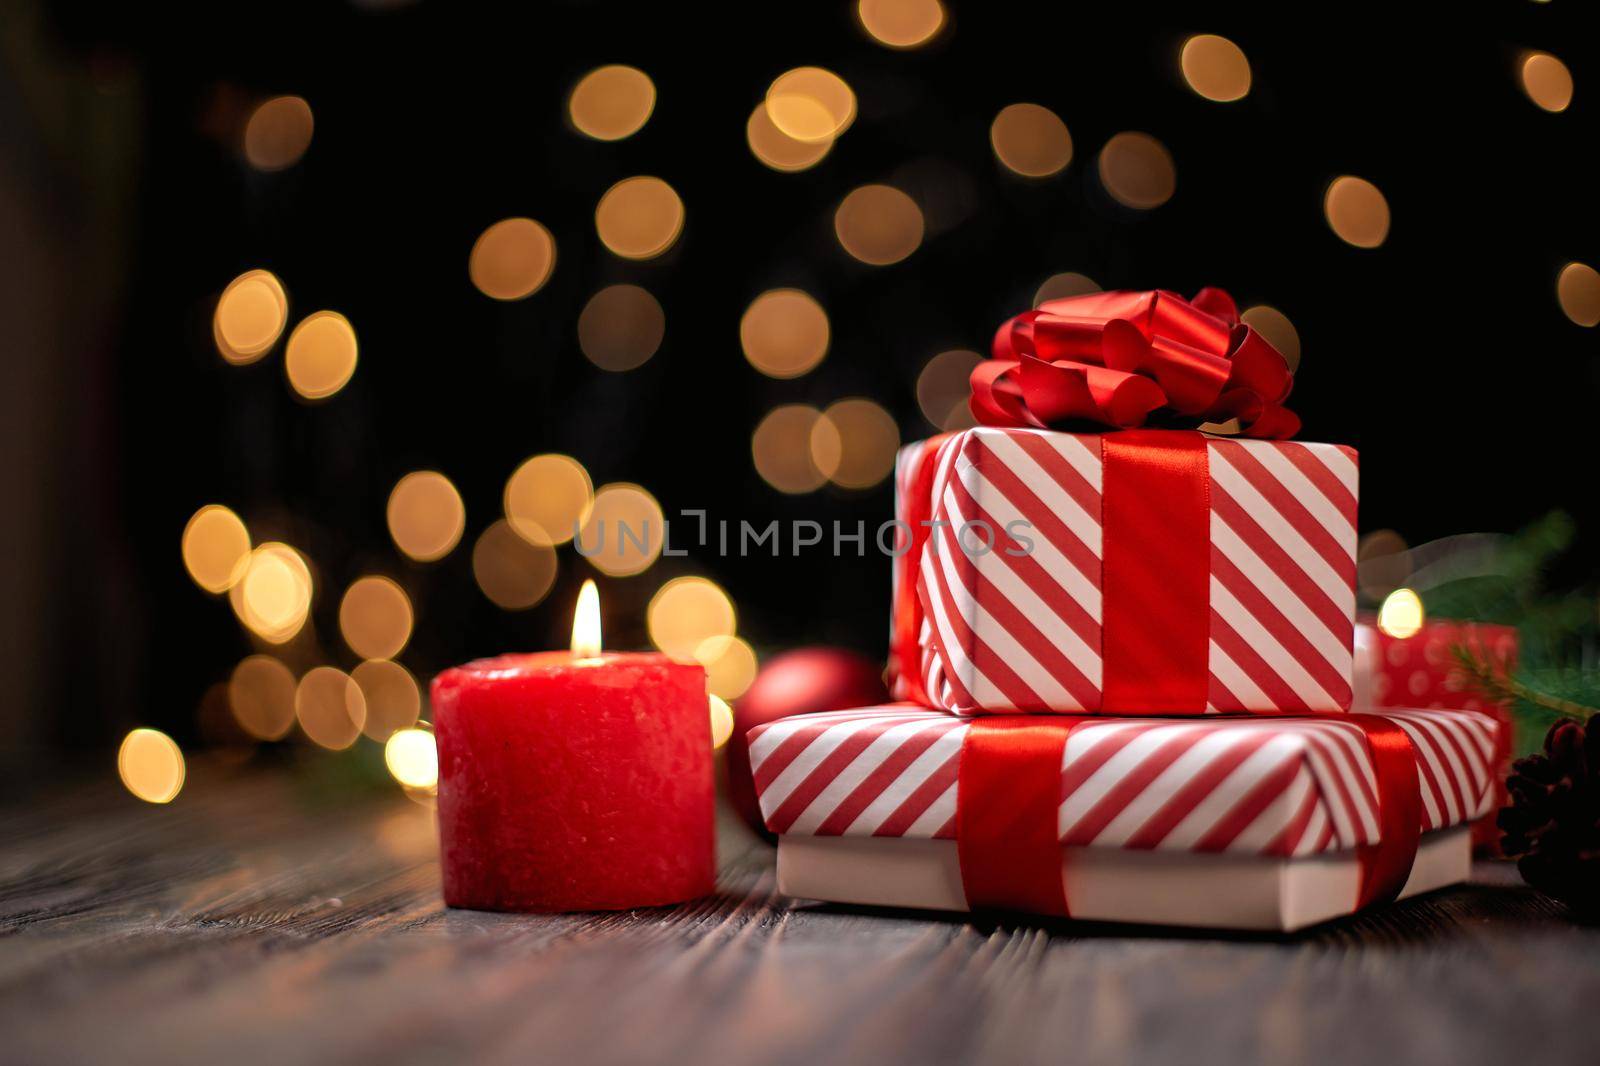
516, 665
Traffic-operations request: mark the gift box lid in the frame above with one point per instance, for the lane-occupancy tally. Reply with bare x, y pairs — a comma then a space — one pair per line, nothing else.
1266, 786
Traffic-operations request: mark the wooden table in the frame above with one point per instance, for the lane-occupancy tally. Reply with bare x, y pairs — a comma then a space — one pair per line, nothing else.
254, 921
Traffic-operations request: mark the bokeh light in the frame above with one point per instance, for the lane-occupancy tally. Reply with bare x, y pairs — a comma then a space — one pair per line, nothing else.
639, 218
1383, 563
612, 102
776, 149
513, 572
901, 23
392, 697
854, 443
1275, 327
321, 355
685, 613
625, 530
278, 133
425, 515
1137, 170
1215, 68
784, 333
721, 721
273, 597
216, 548
811, 104
1357, 211
878, 224
943, 386
250, 316
261, 696
1546, 80
1578, 290
1401, 615
330, 707
621, 327
730, 664
375, 617
1060, 286
781, 448
1031, 140
413, 758
150, 764
512, 259
547, 498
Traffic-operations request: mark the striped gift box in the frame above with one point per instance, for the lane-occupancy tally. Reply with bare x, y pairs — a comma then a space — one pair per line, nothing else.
1280, 787
1018, 627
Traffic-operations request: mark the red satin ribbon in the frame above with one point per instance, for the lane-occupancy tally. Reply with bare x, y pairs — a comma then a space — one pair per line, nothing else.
1008, 798
1155, 583
907, 604
1118, 358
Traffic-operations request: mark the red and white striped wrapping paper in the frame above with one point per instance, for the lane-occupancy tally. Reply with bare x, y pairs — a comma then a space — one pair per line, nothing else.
1253, 786
1000, 632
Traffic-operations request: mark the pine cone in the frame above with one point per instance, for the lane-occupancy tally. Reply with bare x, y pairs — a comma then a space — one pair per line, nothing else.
1552, 826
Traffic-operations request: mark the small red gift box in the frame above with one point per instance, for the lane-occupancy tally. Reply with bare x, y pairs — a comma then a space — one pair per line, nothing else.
1421, 671
1133, 572
1268, 823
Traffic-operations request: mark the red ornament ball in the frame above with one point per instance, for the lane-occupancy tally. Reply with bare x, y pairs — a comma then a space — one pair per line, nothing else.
801, 681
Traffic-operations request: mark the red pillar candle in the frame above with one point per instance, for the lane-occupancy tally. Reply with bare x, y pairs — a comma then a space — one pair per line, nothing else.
572, 782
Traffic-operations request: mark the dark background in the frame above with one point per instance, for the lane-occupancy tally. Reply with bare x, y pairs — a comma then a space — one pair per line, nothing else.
125, 208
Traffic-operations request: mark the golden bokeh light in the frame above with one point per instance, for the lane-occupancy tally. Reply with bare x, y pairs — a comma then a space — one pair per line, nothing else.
216, 548
901, 23
278, 133
250, 316
612, 102
548, 498
261, 696
1383, 563
273, 597
721, 721
685, 613
392, 697
150, 764
413, 758
511, 571
854, 443
1275, 327
375, 617
512, 259
330, 707
621, 327
1060, 286
625, 530
1137, 170
1215, 68
1401, 615
879, 224
1031, 140
1578, 290
943, 385
776, 149
321, 355
425, 515
730, 665
639, 218
1356, 211
781, 448
784, 333
1546, 80
811, 104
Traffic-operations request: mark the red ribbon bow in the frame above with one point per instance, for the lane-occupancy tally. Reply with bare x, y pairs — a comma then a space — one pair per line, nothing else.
1115, 358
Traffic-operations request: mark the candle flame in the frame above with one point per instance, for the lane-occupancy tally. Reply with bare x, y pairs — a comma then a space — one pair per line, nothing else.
586, 623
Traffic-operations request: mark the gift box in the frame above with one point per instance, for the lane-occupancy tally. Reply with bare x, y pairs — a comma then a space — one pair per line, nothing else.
1243, 823
1132, 572
1420, 670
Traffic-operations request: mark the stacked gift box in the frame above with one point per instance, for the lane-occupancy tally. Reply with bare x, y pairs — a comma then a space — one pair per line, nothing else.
1126, 659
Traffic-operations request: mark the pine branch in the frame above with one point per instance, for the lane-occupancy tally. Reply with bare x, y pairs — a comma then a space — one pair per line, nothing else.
1495, 684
